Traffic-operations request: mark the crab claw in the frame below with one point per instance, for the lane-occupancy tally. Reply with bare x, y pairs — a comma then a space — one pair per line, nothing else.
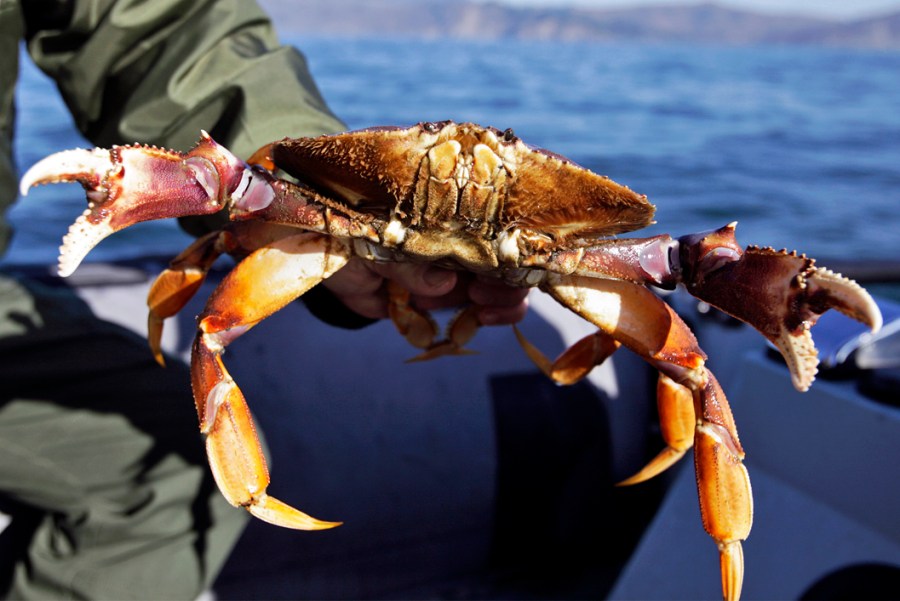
780, 294
129, 184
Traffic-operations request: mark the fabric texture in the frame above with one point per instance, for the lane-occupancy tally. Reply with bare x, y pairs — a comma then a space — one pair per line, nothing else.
102, 464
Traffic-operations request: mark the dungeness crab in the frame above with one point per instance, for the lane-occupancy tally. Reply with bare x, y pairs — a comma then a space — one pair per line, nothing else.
471, 198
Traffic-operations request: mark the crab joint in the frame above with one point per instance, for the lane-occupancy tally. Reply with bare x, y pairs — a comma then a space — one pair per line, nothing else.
702, 254
659, 261
206, 175
217, 397
254, 191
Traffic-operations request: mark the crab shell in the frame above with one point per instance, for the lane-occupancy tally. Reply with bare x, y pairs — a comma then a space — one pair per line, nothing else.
472, 198
452, 176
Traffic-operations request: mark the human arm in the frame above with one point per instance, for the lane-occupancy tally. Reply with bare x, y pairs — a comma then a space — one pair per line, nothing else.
158, 72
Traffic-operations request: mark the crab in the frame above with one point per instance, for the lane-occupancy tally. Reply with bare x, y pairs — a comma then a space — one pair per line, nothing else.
470, 198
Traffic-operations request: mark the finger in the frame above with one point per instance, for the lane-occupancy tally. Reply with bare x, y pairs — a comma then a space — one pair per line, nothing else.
373, 306
354, 279
359, 289
493, 315
492, 292
421, 279
457, 297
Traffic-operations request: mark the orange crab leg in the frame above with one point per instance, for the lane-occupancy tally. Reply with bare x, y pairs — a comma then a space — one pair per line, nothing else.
264, 282
723, 484
178, 283
637, 318
675, 404
574, 363
420, 329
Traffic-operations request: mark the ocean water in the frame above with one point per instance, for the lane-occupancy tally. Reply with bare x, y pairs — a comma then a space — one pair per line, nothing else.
800, 146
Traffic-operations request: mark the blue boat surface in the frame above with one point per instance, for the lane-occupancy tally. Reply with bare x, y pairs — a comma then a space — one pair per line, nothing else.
474, 477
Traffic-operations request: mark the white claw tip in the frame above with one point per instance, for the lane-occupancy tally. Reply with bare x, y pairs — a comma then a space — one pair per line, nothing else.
65, 166
78, 242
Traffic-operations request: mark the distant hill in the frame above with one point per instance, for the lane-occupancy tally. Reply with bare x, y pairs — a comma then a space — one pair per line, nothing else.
708, 23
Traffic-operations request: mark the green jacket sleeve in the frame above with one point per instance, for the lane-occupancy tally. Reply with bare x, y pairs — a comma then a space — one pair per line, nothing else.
158, 72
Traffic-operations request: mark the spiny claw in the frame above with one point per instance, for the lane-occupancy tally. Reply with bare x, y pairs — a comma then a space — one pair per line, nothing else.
129, 184
92, 169
781, 294
823, 290
87, 167
811, 292
844, 295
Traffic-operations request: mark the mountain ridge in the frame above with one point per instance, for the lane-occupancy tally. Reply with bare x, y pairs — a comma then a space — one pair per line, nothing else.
704, 22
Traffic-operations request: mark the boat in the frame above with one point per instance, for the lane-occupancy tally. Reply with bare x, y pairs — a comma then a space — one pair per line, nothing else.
474, 477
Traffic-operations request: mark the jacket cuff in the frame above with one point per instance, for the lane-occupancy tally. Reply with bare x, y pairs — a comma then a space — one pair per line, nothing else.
324, 305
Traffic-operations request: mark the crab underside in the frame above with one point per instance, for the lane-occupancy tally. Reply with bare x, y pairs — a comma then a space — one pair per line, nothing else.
470, 198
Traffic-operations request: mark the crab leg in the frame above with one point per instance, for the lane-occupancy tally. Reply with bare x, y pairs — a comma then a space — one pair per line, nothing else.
178, 283
676, 419
421, 330
574, 363
636, 317
261, 284
780, 294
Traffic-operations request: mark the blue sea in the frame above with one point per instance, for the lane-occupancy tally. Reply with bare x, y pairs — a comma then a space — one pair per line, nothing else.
800, 145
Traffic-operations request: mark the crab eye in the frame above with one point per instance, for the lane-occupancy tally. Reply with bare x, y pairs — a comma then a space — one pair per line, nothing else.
508, 135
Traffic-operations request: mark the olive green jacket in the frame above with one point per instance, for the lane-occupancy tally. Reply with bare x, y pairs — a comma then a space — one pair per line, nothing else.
157, 73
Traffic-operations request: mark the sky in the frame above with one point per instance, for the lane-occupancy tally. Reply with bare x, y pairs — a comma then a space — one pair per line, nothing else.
835, 9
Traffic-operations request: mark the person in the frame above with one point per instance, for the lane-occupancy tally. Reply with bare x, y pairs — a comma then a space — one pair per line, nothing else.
101, 462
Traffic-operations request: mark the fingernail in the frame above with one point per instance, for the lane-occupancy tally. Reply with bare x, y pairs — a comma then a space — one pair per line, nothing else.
486, 317
436, 278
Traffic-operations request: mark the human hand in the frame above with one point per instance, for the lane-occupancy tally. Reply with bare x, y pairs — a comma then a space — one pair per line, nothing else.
360, 287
